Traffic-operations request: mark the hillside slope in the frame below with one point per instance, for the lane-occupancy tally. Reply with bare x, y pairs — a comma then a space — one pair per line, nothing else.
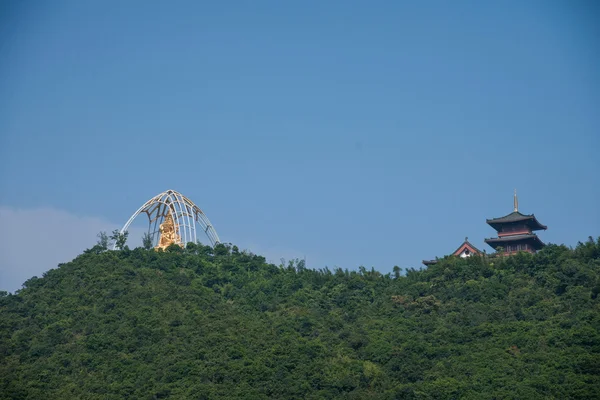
205, 323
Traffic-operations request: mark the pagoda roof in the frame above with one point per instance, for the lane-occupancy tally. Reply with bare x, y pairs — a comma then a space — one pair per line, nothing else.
430, 262
516, 216
499, 241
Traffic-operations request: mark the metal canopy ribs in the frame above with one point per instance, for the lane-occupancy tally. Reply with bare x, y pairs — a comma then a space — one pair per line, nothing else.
185, 214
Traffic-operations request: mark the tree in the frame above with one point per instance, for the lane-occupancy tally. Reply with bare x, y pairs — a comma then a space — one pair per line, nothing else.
147, 241
119, 238
190, 324
103, 240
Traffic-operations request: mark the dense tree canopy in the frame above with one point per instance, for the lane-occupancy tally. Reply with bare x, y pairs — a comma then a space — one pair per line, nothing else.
211, 323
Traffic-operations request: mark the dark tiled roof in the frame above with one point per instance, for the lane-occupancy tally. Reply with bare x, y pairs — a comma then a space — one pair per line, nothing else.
516, 216
466, 242
469, 244
514, 238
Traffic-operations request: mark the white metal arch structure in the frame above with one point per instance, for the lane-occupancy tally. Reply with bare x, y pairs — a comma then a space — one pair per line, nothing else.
185, 214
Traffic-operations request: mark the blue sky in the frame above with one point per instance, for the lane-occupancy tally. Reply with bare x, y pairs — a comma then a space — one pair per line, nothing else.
351, 133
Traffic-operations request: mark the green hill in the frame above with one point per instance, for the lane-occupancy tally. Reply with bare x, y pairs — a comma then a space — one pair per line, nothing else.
204, 323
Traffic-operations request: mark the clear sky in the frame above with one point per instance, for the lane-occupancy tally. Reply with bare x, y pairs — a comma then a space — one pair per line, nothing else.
347, 132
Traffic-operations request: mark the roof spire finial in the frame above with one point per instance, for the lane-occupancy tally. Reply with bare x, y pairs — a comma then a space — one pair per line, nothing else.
516, 202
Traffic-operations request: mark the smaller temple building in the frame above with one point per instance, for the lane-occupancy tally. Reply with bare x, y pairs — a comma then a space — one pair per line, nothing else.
466, 249
516, 232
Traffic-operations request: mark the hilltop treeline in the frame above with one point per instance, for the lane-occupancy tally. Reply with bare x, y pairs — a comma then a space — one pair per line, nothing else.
217, 323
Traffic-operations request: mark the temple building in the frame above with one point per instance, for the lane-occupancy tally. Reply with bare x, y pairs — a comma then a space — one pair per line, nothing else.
466, 249
515, 232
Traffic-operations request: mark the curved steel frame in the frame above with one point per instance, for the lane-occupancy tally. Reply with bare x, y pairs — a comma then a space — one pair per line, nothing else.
185, 214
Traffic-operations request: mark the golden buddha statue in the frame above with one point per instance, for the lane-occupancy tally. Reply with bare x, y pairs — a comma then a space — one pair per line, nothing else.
169, 233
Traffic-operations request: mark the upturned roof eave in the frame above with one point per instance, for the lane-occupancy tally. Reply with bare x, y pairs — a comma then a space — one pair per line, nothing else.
514, 238
511, 218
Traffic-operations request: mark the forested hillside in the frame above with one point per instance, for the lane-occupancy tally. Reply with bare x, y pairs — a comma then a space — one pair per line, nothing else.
204, 323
